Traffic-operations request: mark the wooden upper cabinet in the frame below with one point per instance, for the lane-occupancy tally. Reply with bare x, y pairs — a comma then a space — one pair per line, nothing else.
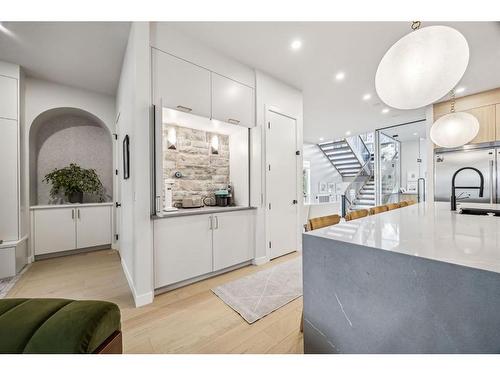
181, 85
486, 117
232, 101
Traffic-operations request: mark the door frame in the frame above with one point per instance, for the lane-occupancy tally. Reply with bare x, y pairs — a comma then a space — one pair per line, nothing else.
298, 163
117, 215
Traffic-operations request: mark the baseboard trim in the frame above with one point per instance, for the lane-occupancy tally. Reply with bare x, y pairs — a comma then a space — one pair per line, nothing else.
260, 261
139, 300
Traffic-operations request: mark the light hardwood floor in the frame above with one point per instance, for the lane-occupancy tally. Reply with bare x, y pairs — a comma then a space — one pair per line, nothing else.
187, 320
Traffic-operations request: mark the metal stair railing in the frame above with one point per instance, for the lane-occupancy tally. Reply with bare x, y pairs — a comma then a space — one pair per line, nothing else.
355, 186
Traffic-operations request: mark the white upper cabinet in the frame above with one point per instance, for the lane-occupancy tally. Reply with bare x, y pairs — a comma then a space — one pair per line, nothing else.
232, 101
8, 97
181, 85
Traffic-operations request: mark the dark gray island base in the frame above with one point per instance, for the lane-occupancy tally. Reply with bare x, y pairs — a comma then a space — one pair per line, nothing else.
362, 299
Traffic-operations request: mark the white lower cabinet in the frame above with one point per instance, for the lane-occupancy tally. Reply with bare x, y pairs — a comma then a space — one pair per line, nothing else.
93, 226
57, 229
233, 238
191, 246
183, 248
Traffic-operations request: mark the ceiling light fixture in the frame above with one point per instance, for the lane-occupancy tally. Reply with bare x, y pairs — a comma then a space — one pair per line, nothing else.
385, 110
422, 66
415, 133
340, 76
321, 139
367, 97
454, 129
348, 132
296, 45
460, 90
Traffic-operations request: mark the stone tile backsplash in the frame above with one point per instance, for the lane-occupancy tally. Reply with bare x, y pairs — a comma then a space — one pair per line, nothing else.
202, 172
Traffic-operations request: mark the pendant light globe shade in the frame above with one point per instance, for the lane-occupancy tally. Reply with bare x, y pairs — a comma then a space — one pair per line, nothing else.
454, 130
422, 67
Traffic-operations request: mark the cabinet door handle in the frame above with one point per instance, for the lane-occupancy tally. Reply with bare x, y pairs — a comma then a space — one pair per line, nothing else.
233, 121
78, 210
216, 222
210, 224
73, 214
184, 109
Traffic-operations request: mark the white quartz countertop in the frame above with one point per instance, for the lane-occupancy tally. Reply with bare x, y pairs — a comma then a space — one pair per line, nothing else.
429, 230
70, 205
201, 211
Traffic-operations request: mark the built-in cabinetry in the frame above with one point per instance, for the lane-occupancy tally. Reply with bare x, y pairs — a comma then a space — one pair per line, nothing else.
484, 106
187, 87
13, 236
69, 227
192, 246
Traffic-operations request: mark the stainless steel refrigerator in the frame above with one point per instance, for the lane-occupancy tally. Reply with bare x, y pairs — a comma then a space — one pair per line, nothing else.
486, 160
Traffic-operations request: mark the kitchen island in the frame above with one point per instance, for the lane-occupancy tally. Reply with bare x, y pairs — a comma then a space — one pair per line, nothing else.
419, 279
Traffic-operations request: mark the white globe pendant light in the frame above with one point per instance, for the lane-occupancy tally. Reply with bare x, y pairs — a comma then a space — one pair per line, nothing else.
422, 67
454, 129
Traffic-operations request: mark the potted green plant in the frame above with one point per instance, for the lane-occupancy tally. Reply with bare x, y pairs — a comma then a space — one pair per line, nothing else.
73, 181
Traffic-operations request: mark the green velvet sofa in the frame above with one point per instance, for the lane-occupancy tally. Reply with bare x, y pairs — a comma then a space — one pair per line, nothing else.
59, 326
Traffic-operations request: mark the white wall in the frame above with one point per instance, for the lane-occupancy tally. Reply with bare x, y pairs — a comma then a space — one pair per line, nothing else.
287, 100
44, 95
133, 107
41, 96
321, 168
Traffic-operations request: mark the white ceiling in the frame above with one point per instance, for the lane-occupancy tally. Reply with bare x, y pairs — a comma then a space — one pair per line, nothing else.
87, 55
331, 108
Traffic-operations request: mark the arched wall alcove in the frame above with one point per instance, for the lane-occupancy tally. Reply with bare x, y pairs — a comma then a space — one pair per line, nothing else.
60, 136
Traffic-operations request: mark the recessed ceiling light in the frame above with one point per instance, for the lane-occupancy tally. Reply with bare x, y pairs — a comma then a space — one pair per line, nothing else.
385, 110
340, 76
296, 45
321, 139
415, 133
367, 96
460, 90
348, 132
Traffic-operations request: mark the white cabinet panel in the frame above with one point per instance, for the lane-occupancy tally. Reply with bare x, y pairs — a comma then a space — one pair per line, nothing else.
232, 102
180, 84
233, 239
8, 180
93, 226
183, 248
54, 230
8, 97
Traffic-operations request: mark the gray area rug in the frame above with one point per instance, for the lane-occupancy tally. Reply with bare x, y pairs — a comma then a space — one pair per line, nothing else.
257, 295
8, 283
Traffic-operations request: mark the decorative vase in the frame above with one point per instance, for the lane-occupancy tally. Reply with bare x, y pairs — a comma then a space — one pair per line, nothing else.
76, 197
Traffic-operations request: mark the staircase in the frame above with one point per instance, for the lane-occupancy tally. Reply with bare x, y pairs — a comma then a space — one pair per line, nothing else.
342, 157
365, 197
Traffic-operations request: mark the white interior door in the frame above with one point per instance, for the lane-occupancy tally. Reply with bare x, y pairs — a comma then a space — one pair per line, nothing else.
281, 184
93, 226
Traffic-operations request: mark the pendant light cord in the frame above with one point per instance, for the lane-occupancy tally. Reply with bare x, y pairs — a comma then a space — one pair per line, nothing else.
415, 25
452, 93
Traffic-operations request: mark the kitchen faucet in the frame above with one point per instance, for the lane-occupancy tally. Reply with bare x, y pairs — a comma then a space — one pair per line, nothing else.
453, 187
